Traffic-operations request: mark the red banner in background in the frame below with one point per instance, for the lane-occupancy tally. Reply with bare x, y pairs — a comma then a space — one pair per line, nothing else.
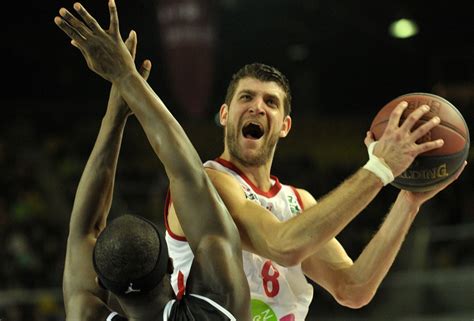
188, 36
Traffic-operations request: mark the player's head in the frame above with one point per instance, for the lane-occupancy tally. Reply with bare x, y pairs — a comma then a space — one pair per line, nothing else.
255, 114
130, 256
263, 73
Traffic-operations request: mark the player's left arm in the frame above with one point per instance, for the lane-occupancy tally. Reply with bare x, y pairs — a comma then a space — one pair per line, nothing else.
329, 265
354, 284
90, 210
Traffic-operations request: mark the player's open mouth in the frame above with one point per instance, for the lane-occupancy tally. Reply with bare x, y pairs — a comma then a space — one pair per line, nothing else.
253, 131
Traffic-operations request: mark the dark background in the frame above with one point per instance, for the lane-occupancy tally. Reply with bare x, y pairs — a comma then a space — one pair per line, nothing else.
342, 65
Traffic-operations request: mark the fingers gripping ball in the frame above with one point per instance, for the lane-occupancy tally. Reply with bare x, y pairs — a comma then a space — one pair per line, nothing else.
435, 166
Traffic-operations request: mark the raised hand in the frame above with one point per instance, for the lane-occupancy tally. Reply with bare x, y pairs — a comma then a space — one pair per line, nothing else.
104, 50
398, 145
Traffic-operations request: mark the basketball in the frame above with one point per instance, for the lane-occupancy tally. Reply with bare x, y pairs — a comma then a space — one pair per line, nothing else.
433, 167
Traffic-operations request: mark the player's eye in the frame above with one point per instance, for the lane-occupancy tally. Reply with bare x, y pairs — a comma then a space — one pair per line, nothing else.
272, 103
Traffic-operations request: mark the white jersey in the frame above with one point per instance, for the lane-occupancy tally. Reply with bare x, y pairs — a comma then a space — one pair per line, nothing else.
278, 293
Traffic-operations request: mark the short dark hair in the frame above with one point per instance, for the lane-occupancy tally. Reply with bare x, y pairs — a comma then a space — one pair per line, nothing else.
261, 72
128, 252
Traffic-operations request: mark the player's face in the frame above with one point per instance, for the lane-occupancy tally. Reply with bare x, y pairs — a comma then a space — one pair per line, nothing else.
254, 121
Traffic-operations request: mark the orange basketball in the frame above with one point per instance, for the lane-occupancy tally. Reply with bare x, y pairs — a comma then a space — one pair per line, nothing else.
435, 166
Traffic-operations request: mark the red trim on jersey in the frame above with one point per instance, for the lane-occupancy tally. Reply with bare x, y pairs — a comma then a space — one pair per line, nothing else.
181, 287
167, 208
298, 197
273, 190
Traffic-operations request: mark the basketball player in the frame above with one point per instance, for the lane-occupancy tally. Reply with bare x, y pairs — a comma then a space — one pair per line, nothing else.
286, 234
128, 256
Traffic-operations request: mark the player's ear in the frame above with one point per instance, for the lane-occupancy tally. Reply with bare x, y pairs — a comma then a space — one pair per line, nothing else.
223, 113
97, 281
286, 126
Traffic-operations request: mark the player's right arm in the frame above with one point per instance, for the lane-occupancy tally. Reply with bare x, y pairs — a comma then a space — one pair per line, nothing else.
290, 242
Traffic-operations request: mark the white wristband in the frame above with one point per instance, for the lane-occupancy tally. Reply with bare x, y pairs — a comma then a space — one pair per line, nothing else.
378, 167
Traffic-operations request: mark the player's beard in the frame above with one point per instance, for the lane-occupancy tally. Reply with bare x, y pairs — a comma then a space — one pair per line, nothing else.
261, 157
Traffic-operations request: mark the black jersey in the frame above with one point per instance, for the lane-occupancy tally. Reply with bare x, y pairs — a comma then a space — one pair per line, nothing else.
191, 307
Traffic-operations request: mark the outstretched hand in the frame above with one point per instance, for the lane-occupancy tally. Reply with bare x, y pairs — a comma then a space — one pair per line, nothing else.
104, 50
398, 145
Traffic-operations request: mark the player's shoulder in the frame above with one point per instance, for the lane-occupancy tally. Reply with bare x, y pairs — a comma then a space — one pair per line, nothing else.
219, 175
306, 197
